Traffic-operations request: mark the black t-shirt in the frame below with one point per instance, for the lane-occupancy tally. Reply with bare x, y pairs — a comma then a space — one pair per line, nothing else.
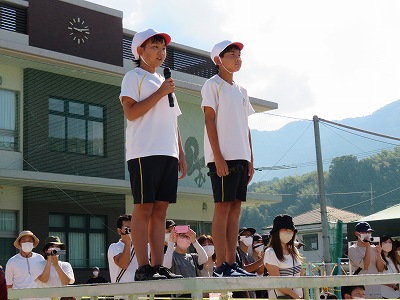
97, 279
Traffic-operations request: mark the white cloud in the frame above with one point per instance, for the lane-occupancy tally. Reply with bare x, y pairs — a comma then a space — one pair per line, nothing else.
335, 59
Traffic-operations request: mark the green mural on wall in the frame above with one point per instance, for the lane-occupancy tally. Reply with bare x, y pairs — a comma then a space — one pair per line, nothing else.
193, 161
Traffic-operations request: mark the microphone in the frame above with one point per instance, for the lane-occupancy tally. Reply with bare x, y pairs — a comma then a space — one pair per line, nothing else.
234, 169
167, 74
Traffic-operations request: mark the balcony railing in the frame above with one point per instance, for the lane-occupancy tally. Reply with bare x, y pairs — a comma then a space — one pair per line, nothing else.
197, 286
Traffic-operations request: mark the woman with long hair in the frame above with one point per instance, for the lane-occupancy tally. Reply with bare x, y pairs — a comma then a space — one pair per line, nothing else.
389, 291
282, 258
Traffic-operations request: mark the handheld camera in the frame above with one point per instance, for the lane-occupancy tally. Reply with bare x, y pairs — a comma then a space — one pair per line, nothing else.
56, 252
182, 228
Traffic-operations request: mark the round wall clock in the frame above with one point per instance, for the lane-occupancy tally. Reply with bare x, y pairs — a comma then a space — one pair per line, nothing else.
79, 31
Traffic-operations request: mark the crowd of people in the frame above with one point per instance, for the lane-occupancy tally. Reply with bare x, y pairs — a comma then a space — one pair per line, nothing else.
156, 248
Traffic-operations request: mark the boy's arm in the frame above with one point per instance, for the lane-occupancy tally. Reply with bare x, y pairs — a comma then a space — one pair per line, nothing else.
182, 160
134, 109
220, 163
250, 165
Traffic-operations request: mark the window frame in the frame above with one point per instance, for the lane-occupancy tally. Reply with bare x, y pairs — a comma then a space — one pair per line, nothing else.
13, 133
308, 240
66, 142
66, 229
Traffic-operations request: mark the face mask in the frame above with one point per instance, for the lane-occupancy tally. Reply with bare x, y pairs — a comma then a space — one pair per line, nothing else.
285, 237
258, 248
96, 273
209, 250
183, 243
387, 247
247, 240
27, 247
167, 237
365, 236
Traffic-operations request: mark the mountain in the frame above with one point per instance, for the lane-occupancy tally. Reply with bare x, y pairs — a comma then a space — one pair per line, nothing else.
294, 144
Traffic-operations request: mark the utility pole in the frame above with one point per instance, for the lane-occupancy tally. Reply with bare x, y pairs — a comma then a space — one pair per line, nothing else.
322, 200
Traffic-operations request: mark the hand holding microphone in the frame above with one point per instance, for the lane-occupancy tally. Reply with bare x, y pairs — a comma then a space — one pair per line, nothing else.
167, 75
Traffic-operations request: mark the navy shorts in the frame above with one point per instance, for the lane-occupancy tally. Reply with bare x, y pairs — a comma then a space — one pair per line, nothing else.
232, 187
153, 178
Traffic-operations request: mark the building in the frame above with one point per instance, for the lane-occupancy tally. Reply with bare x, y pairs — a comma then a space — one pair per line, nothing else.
62, 165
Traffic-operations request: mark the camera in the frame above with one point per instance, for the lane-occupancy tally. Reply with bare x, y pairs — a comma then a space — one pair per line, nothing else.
182, 228
56, 252
375, 240
127, 230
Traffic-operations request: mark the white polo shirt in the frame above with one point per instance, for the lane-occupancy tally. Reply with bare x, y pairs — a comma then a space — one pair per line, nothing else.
156, 132
232, 108
129, 275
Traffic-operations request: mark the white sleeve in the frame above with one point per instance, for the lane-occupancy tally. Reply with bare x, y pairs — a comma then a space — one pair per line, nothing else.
209, 95
201, 252
67, 268
270, 257
130, 86
168, 255
9, 273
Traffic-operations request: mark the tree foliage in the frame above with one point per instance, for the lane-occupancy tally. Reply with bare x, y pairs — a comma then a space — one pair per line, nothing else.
360, 186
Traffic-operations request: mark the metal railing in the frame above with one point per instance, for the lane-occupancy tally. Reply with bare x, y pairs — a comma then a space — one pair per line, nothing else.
197, 286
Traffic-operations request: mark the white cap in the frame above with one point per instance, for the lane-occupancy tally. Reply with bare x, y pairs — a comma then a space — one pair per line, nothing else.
221, 46
141, 37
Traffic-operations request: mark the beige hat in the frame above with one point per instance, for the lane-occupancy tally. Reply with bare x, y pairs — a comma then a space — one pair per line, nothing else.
26, 233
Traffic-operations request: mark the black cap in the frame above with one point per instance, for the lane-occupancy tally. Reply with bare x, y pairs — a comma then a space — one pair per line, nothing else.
96, 268
257, 237
169, 223
252, 230
363, 227
283, 222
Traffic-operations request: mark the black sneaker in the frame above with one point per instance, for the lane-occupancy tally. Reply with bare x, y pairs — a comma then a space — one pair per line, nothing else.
235, 266
167, 273
147, 272
225, 270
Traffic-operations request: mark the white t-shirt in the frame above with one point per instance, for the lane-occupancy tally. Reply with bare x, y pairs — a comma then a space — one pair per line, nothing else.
54, 279
288, 267
129, 275
19, 271
232, 108
388, 292
356, 256
156, 132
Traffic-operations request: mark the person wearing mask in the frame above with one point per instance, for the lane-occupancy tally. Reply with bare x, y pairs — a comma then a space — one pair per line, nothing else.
96, 278
353, 292
397, 247
206, 269
244, 256
365, 258
281, 257
19, 267
258, 252
389, 291
52, 272
178, 260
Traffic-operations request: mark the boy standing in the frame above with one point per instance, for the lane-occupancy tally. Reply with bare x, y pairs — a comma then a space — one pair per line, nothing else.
227, 151
154, 150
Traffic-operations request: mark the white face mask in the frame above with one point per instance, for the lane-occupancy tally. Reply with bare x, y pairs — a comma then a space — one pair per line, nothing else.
27, 247
365, 236
209, 250
247, 240
387, 247
258, 248
96, 273
167, 237
183, 243
285, 237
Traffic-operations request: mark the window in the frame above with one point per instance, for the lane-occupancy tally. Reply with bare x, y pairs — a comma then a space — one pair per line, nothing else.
8, 232
8, 120
85, 237
310, 241
76, 127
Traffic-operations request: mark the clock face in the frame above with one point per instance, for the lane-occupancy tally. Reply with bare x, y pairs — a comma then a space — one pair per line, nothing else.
79, 31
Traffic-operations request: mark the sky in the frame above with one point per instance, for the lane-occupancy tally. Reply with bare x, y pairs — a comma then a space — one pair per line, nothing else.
335, 59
